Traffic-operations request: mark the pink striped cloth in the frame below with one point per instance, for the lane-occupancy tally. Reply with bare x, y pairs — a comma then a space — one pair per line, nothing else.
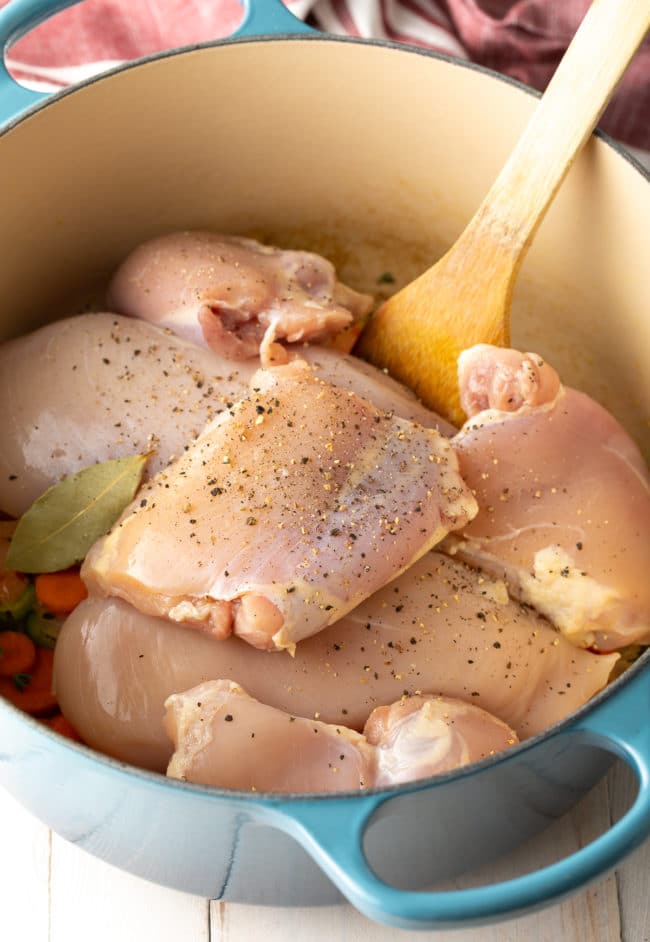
521, 38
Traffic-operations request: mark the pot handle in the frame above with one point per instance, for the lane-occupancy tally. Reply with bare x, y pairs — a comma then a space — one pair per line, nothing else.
332, 832
17, 18
267, 18
261, 17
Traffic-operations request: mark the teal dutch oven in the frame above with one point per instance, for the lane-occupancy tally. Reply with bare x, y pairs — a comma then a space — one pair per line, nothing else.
375, 154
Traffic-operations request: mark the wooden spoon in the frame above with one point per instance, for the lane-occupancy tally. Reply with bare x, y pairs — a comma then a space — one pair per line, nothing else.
465, 298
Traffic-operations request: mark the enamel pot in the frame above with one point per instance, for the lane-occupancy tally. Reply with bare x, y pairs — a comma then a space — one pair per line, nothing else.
377, 156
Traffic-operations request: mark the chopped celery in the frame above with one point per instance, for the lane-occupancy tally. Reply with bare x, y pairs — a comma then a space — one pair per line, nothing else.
17, 609
43, 627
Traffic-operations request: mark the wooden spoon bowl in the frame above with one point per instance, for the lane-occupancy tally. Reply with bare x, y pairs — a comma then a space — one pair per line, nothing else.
464, 299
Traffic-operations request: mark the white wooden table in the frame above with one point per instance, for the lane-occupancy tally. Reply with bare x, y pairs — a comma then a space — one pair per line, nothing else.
50, 891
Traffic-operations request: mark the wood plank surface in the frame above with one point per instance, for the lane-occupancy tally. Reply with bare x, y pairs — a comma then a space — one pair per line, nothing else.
634, 873
24, 873
54, 892
87, 892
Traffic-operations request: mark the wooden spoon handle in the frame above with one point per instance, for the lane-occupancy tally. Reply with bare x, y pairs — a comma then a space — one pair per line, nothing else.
576, 96
465, 297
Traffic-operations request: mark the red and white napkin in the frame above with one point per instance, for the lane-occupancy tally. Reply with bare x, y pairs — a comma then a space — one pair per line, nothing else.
521, 38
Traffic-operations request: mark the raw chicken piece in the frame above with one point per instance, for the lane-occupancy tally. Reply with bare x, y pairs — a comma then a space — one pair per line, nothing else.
223, 737
441, 628
289, 510
421, 736
111, 386
366, 380
106, 386
231, 293
506, 380
564, 496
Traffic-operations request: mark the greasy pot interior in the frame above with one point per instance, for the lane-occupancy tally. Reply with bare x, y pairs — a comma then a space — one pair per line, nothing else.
374, 155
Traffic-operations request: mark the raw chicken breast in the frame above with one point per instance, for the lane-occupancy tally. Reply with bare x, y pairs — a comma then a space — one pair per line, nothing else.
564, 496
289, 510
110, 386
441, 628
230, 293
101, 386
224, 737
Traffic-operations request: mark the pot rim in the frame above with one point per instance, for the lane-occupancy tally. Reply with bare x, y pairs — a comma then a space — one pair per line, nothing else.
213, 792
390, 791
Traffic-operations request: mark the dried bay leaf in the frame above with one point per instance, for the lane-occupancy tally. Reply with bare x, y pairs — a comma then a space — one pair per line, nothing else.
60, 527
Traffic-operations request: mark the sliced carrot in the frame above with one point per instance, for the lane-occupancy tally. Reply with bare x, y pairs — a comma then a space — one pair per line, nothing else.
61, 726
17, 653
60, 592
32, 691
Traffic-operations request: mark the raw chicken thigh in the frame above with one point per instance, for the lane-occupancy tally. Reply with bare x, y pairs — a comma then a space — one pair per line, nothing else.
223, 737
231, 293
441, 628
564, 498
111, 386
421, 736
366, 380
504, 380
291, 508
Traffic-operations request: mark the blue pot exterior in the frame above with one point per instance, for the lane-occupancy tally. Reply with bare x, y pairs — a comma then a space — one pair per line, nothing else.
16, 19
261, 849
261, 18
506, 798
375, 849
218, 846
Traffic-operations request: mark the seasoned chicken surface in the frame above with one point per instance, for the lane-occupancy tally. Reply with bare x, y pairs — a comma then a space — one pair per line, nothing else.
564, 498
441, 628
223, 737
104, 386
366, 380
110, 386
233, 294
291, 508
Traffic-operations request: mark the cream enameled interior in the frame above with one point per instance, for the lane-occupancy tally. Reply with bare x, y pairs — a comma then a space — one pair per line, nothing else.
376, 157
